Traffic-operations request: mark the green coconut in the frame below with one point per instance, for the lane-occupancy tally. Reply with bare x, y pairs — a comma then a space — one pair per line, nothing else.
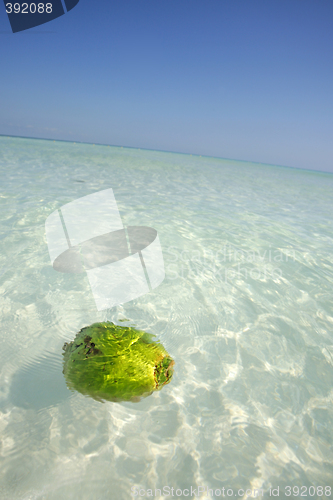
116, 363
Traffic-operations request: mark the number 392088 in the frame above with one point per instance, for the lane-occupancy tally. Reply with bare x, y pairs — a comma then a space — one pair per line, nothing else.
31, 8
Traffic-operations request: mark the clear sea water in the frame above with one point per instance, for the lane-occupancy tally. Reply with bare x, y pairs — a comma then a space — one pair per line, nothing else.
246, 311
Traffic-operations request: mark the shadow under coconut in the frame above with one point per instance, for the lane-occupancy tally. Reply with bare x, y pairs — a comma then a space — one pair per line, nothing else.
39, 384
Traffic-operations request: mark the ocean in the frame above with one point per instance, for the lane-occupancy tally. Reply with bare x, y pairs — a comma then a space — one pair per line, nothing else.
245, 310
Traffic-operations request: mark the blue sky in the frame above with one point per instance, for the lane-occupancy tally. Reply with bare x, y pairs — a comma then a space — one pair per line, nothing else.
241, 79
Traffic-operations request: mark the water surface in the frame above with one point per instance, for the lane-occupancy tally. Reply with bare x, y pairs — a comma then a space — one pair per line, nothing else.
246, 311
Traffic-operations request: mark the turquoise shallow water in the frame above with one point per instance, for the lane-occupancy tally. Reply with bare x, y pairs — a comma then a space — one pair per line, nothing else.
246, 311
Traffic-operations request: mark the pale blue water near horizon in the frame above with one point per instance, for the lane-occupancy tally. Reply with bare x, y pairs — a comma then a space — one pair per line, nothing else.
246, 311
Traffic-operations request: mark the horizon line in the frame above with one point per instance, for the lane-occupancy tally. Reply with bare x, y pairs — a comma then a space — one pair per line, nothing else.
165, 151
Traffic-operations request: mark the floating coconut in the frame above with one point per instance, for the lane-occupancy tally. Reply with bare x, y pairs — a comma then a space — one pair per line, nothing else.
116, 363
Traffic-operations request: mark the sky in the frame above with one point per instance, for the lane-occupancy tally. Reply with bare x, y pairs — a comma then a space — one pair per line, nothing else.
241, 79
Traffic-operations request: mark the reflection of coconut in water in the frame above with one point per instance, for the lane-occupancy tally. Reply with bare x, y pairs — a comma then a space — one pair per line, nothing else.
116, 363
